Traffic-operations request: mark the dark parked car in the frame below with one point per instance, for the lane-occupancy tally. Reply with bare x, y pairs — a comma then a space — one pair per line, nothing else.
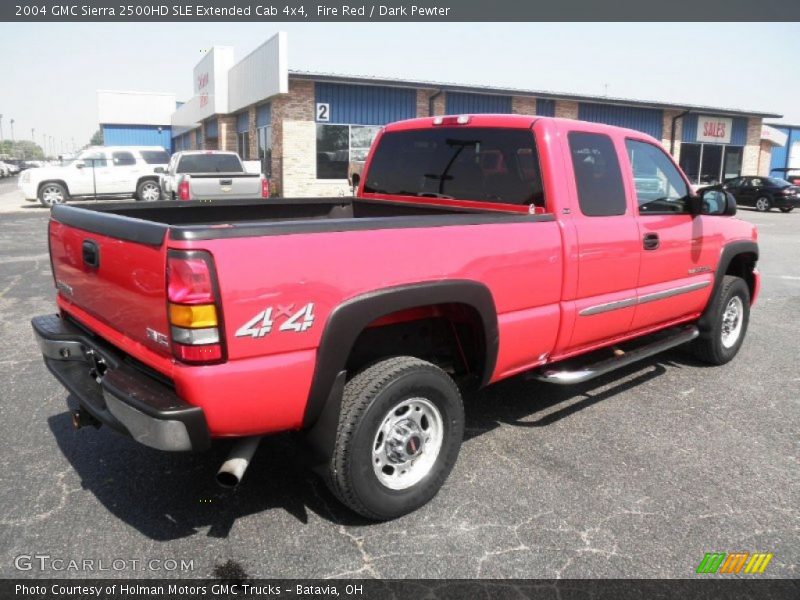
764, 193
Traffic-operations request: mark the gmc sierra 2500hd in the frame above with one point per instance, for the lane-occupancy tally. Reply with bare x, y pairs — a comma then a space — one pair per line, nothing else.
478, 247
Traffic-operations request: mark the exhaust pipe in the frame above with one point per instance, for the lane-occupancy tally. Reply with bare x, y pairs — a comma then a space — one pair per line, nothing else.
81, 418
232, 470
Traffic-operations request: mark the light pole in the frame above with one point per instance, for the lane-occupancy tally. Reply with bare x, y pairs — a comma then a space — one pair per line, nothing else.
44, 145
33, 138
1, 128
12, 133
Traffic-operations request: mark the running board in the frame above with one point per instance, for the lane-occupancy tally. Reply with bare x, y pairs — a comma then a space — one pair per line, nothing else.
567, 377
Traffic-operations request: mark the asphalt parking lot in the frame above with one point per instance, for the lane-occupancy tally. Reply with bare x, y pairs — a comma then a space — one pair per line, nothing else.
638, 474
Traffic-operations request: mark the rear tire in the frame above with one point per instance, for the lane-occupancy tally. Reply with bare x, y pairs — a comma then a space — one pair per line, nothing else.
763, 204
787, 209
52, 193
729, 315
399, 434
148, 191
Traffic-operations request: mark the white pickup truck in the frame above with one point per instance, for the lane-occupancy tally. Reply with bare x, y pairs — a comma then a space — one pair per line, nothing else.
210, 175
98, 171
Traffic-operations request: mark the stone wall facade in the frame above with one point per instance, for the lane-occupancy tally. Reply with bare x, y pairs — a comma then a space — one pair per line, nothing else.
752, 149
566, 109
523, 105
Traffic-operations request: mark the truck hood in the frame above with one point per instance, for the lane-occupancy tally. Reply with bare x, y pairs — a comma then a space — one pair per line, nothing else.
40, 173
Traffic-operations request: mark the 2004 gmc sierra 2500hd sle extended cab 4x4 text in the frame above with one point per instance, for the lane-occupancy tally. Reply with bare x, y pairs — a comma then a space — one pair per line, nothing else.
478, 247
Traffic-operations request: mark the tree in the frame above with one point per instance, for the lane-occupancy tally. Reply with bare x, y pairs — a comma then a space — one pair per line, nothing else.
23, 149
97, 138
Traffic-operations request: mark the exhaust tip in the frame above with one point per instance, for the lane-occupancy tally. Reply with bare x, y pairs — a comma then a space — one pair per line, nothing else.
227, 480
75, 417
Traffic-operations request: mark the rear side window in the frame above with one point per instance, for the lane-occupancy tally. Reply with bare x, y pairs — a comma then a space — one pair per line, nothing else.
210, 163
155, 157
470, 163
123, 159
597, 174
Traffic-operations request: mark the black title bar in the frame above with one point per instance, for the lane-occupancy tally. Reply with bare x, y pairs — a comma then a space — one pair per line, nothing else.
401, 10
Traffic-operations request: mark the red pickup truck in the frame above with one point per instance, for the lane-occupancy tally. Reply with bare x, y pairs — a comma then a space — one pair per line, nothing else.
478, 247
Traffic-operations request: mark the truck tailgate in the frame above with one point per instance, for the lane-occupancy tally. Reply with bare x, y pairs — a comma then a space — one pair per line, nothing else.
118, 281
219, 186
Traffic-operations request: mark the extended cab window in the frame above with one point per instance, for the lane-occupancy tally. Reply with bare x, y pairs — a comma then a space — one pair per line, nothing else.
659, 186
210, 163
471, 163
155, 157
597, 174
123, 159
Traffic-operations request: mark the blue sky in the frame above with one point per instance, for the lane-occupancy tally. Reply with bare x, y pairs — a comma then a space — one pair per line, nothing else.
50, 72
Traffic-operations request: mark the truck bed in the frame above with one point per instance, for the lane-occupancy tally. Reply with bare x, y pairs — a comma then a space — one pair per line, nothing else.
149, 223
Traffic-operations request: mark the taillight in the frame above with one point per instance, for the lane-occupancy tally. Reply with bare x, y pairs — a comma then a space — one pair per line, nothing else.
194, 307
183, 189
264, 187
451, 120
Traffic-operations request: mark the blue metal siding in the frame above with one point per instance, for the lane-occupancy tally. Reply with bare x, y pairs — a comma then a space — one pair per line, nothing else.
545, 108
242, 123
738, 133
366, 104
647, 120
263, 115
458, 103
198, 138
137, 135
212, 128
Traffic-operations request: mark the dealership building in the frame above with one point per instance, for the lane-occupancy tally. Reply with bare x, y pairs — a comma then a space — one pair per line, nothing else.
306, 128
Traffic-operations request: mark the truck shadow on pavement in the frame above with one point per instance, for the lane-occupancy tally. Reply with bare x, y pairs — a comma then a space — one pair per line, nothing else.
168, 496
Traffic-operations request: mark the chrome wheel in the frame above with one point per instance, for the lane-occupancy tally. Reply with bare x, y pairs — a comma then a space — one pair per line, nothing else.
407, 443
52, 194
732, 322
762, 204
149, 192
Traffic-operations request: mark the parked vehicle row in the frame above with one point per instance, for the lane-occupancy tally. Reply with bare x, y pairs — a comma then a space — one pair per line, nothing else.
477, 248
147, 173
8, 169
764, 193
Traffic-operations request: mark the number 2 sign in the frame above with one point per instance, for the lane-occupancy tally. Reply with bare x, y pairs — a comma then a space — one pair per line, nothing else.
323, 112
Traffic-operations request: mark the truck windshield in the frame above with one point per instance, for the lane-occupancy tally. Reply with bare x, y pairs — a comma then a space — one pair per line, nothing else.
471, 163
210, 163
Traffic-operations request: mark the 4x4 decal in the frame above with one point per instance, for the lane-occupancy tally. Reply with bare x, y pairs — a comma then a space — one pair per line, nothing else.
262, 324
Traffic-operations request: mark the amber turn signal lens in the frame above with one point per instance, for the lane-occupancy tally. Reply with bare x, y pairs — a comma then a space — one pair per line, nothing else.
193, 316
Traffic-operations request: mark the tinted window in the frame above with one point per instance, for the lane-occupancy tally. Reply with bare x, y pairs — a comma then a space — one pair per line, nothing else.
333, 151
734, 183
94, 159
475, 163
597, 174
123, 159
210, 163
155, 157
659, 186
777, 182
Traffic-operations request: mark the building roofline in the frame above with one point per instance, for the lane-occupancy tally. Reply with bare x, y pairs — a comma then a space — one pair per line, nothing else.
547, 95
789, 125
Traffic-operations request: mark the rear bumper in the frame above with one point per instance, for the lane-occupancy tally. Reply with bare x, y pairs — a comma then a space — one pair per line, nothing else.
116, 393
787, 201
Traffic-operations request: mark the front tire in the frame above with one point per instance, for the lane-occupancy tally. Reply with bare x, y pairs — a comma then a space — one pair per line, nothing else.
763, 204
52, 193
399, 434
729, 315
148, 191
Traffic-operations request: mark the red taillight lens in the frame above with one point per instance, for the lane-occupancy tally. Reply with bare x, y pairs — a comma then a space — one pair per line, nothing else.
198, 354
183, 190
193, 307
190, 280
264, 187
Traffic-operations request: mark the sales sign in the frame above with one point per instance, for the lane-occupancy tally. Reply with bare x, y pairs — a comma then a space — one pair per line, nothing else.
716, 130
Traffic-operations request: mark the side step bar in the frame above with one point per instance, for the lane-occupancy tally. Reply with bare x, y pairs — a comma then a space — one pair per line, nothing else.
567, 377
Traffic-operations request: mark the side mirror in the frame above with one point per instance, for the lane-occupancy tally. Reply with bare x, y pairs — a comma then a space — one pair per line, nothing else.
159, 170
715, 201
79, 164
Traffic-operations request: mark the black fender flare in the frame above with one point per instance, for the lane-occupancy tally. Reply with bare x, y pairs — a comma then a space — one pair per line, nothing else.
349, 319
729, 252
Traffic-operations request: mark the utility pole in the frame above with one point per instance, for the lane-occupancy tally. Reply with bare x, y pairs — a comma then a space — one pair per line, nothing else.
1, 128
12, 132
44, 144
33, 138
